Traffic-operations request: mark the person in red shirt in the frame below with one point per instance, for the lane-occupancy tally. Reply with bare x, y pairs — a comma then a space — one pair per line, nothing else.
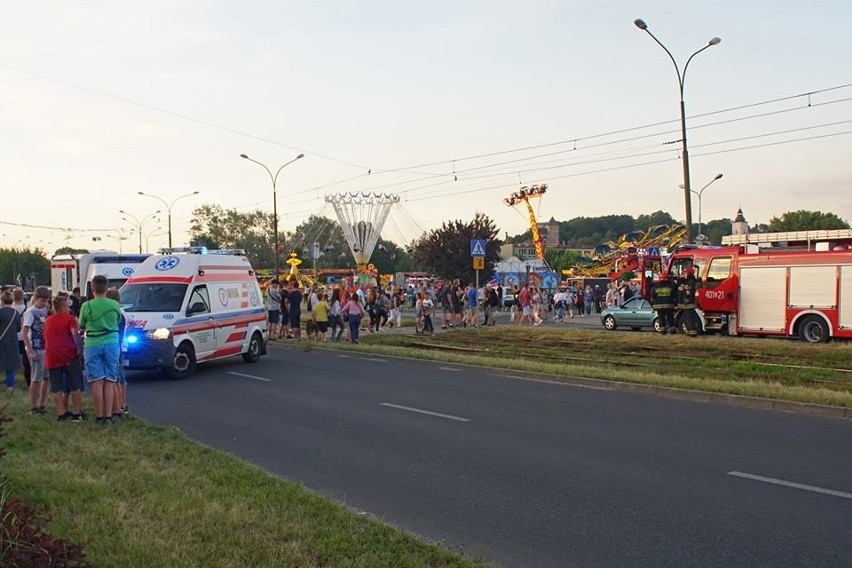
62, 356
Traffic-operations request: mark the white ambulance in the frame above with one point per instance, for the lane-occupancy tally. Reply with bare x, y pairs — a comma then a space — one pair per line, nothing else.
188, 305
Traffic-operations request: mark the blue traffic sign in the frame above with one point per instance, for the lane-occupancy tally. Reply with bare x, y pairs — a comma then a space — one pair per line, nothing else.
477, 247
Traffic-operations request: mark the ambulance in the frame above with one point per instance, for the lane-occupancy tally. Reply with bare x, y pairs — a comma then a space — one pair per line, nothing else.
188, 305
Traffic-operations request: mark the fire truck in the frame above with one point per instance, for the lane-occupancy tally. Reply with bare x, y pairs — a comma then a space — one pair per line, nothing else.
746, 290
782, 291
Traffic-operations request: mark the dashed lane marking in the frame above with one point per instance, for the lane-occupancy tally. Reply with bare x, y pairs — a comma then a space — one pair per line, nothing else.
801, 486
427, 412
250, 376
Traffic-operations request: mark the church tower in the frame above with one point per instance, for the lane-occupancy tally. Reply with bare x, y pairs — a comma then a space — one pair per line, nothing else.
740, 225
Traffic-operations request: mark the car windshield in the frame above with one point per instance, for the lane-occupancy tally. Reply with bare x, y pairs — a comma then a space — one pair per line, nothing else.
152, 297
116, 283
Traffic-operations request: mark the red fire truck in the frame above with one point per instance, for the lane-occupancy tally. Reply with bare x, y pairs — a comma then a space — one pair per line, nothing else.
747, 290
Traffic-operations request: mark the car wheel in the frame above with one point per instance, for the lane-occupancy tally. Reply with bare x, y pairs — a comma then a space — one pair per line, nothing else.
609, 323
656, 325
184, 363
813, 329
254, 349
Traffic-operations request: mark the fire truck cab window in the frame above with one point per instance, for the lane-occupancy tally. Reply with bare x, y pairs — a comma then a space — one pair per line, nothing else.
720, 269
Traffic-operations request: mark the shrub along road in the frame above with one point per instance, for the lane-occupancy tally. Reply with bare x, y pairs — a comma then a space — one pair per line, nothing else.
528, 473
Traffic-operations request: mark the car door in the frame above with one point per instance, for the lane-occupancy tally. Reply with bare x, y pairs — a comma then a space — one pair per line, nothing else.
629, 315
204, 330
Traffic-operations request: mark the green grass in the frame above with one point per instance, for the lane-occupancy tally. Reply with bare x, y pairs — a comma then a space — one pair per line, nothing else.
769, 368
145, 496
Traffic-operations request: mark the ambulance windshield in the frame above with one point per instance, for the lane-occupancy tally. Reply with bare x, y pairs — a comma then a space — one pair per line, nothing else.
152, 297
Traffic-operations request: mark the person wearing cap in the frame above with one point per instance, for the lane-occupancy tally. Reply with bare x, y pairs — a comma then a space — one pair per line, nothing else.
686, 300
662, 300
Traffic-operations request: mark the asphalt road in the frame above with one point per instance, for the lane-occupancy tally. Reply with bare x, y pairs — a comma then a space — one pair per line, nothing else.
526, 473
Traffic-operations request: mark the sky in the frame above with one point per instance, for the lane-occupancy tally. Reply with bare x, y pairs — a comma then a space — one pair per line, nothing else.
451, 105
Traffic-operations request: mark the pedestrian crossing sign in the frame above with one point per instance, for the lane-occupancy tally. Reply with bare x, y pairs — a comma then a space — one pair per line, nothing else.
477, 247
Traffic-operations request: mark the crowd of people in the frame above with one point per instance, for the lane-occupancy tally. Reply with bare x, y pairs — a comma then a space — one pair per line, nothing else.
64, 345
337, 312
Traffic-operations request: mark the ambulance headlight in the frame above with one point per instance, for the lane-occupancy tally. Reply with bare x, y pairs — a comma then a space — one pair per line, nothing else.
159, 333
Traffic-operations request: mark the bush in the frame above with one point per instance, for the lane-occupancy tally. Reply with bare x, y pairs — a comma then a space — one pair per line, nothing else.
24, 543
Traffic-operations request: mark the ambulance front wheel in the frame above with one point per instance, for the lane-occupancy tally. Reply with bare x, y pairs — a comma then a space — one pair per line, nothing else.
255, 348
184, 362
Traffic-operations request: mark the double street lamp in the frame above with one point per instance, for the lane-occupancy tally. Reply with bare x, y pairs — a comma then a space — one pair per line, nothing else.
168, 208
681, 77
274, 179
699, 193
139, 223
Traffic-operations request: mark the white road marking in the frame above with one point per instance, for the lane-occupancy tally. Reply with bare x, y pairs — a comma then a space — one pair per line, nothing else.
345, 356
774, 481
421, 411
250, 377
374, 359
448, 369
590, 387
579, 386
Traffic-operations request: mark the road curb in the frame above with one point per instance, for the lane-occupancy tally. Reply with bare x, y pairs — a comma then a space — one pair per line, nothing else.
655, 390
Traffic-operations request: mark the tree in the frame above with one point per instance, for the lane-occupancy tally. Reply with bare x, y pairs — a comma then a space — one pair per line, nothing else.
333, 249
716, 229
214, 227
31, 264
803, 220
446, 251
70, 250
644, 222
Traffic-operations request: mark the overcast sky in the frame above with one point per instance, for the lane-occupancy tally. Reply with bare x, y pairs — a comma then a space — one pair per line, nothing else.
453, 105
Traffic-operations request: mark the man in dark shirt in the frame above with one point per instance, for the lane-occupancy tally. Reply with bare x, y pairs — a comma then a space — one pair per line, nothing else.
294, 308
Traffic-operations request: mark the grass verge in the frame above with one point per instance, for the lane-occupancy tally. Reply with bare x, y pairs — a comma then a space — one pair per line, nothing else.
146, 496
768, 368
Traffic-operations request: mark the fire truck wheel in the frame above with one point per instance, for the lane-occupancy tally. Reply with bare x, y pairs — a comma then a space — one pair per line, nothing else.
813, 329
184, 363
254, 349
609, 323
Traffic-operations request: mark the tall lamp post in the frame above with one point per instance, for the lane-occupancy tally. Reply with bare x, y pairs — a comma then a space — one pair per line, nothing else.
274, 179
699, 193
168, 207
138, 223
681, 77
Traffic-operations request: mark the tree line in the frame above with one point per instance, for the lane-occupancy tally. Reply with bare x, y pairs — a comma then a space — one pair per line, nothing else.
444, 252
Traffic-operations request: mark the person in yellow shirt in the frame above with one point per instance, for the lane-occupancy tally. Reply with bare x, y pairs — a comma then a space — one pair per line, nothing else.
320, 310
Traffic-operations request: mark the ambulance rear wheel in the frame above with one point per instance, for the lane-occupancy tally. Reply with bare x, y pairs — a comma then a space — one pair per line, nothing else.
813, 329
254, 349
184, 362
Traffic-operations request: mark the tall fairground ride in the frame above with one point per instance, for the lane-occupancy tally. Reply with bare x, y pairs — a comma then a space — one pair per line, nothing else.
524, 195
362, 217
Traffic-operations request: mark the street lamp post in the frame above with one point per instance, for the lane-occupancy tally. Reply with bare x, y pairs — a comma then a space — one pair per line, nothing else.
699, 193
274, 179
168, 207
139, 223
681, 77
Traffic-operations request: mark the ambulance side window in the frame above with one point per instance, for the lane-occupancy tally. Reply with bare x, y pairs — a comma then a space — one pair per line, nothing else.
198, 299
720, 270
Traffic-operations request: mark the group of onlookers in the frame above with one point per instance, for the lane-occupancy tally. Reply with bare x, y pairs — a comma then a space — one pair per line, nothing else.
62, 340
338, 312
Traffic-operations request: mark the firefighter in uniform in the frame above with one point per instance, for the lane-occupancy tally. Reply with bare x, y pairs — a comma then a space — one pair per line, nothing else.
686, 301
663, 301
